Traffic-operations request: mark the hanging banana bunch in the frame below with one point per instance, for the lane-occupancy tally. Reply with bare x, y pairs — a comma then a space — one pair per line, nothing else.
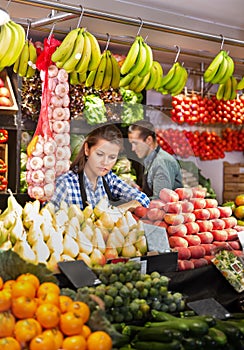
12, 41
228, 90
175, 79
135, 70
220, 69
156, 74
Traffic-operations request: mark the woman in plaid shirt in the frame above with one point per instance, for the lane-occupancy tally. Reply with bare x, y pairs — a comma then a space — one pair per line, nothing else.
90, 177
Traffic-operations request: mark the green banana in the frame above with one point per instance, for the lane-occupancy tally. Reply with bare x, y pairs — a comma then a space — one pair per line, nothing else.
82, 65
131, 56
90, 78
100, 72
141, 86
221, 72
95, 52
116, 73
17, 43
126, 80
140, 61
5, 42
73, 78
228, 90
234, 88
66, 47
220, 92
108, 72
159, 70
183, 75
82, 77
135, 82
149, 60
175, 78
31, 69
153, 78
229, 71
213, 66
169, 76
24, 58
70, 64
240, 85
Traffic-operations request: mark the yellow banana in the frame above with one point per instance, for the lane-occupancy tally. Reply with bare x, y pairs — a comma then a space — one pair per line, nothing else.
141, 86
70, 64
229, 71
126, 80
32, 61
116, 73
108, 72
183, 75
73, 78
149, 60
131, 56
174, 79
82, 65
228, 90
213, 67
24, 58
100, 72
159, 73
140, 61
168, 77
234, 88
82, 77
90, 78
17, 43
95, 52
66, 47
152, 79
135, 81
240, 85
221, 72
5, 42
220, 92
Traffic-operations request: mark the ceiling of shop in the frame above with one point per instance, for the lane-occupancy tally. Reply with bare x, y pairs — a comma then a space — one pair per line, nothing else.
197, 27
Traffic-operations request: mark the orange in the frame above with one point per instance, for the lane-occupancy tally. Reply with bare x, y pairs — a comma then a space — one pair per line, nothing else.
5, 300
24, 307
239, 200
57, 336
80, 308
64, 302
23, 288
30, 278
71, 323
47, 287
51, 298
48, 315
7, 323
42, 342
9, 284
239, 212
86, 331
99, 340
27, 329
75, 342
9, 343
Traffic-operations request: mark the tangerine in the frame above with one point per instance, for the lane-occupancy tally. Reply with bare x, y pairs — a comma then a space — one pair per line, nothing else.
48, 287
71, 323
99, 340
51, 298
9, 343
80, 308
239, 200
86, 331
64, 302
1, 283
239, 212
23, 288
48, 315
7, 323
30, 278
42, 342
5, 300
57, 336
24, 307
26, 329
75, 342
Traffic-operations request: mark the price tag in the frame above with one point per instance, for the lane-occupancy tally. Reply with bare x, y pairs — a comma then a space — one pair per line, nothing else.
157, 238
209, 306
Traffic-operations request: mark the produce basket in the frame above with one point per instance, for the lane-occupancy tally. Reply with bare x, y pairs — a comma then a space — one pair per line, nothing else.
14, 106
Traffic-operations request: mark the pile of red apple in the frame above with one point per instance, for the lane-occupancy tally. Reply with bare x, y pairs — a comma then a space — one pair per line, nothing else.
194, 109
4, 95
196, 226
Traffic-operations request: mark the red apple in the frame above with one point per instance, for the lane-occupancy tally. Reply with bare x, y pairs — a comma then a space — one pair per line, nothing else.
209, 248
187, 207
199, 192
173, 219
220, 235
205, 237
154, 214
222, 245
167, 195
232, 234
214, 213
183, 253
192, 227
156, 203
218, 224
197, 251
230, 222
198, 203
204, 225
2, 82
188, 217
201, 214
140, 211
184, 193
193, 240
225, 212
173, 207
184, 265
177, 230
175, 241
211, 203
199, 262
4, 92
5, 101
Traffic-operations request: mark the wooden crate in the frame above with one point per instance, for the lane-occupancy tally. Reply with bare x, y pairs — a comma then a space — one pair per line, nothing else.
4, 157
14, 107
233, 180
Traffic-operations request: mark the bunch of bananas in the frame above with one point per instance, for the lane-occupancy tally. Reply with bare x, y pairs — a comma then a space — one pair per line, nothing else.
220, 69
228, 90
76, 78
12, 40
156, 75
174, 81
25, 65
106, 75
135, 69
79, 52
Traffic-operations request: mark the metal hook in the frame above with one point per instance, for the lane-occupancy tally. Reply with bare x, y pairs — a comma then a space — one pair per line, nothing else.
222, 42
8, 3
28, 29
178, 53
81, 15
108, 41
141, 24
51, 32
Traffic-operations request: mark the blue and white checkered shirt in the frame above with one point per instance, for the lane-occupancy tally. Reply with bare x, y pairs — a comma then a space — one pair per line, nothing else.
68, 190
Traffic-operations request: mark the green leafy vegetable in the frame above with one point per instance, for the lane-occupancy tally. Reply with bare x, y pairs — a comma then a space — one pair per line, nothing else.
94, 110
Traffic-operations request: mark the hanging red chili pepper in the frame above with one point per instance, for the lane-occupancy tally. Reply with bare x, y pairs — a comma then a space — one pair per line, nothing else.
3, 183
3, 166
3, 135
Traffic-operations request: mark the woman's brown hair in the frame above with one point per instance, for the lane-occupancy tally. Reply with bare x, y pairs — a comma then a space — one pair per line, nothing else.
108, 132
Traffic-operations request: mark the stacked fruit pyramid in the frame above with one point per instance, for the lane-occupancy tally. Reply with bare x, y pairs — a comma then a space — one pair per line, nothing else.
196, 226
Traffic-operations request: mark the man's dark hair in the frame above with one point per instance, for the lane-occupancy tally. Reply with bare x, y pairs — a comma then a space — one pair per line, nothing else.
145, 128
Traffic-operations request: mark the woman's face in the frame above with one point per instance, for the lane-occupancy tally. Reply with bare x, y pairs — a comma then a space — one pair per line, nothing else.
101, 157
